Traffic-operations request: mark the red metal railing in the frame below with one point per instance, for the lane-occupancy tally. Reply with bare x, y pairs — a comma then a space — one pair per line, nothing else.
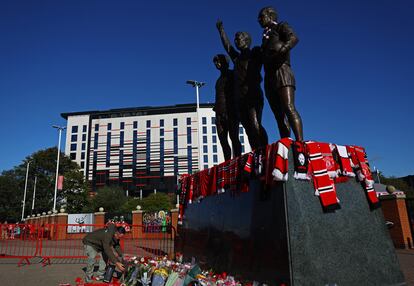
64, 241
19, 241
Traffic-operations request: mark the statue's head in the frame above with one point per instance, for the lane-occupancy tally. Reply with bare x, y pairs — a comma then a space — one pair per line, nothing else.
267, 16
221, 61
242, 40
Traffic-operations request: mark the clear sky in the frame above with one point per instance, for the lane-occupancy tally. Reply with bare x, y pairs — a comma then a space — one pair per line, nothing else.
353, 66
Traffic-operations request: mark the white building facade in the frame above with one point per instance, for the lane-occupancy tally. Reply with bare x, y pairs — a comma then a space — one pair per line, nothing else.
144, 148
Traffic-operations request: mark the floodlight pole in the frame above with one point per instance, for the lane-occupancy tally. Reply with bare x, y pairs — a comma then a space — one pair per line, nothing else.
197, 85
34, 194
60, 128
25, 188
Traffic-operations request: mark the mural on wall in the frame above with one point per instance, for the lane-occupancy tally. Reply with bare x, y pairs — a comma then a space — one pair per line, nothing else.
80, 223
156, 221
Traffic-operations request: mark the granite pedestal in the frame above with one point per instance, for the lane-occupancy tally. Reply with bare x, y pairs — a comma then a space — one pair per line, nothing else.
283, 236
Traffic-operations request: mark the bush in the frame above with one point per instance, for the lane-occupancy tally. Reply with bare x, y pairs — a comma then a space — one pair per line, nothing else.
111, 199
131, 204
156, 202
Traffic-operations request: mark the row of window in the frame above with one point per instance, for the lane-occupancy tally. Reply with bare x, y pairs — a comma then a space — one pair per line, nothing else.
135, 124
74, 146
204, 120
75, 128
73, 156
74, 137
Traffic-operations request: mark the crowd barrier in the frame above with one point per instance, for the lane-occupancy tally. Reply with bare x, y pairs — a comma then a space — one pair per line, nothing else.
19, 241
64, 241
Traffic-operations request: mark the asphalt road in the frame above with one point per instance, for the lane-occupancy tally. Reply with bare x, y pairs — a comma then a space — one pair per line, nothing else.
65, 271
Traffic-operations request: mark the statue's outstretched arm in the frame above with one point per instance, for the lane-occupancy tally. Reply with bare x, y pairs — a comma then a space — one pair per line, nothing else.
231, 51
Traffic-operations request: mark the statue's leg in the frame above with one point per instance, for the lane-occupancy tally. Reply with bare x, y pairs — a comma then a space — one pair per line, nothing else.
248, 126
287, 98
234, 136
264, 140
276, 107
222, 131
257, 128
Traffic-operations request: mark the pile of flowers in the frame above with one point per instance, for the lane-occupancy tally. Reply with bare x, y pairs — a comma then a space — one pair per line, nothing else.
161, 271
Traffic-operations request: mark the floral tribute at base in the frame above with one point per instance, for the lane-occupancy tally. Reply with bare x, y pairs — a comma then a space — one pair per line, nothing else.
163, 272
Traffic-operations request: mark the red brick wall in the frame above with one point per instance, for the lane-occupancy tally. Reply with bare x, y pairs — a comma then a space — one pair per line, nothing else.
395, 210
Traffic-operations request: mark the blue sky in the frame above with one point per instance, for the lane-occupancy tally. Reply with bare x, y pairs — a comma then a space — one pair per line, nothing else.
353, 66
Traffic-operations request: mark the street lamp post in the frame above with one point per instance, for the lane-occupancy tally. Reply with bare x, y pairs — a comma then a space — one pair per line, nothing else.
25, 188
60, 128
34, 194
197, 85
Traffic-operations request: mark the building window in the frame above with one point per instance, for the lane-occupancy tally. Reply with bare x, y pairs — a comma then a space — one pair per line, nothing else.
83, 146
188, 135
148, 123
204, 120
188, 120
189, 160
122, 125
205, 157
161, 122
83, 137
82, 164
75, 129
242, 150
241, 139
213, 129
205, 150
121, 139
109, 126
215, 159
214, 148
162, 132
72, 147
175, 122
205, 139
148, 150
214, 139
73, 156
95, 141
108, 149
205, 166
175, 131
83, 156
204, 130
84, 127
213, 120
74, 138
135, 124
96, 127
241, 130
162, 154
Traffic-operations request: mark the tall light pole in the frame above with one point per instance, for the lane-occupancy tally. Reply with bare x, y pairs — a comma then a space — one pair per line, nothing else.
60, 128
34, 194
197, 85
25, 188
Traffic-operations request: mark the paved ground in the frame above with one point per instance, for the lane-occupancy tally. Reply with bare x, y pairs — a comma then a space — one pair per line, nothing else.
65, 271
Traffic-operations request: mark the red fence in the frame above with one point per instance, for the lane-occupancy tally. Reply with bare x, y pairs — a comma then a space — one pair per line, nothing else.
19, 241
64, 241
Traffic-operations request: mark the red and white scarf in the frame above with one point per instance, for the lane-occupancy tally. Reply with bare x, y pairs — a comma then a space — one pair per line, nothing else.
280, 168
324, 185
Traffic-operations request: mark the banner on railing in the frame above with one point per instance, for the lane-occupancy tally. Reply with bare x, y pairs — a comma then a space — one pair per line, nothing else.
78, 223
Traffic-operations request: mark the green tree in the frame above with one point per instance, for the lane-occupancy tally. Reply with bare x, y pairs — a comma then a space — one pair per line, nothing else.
11, 196
156, 202
43, 166
110, 198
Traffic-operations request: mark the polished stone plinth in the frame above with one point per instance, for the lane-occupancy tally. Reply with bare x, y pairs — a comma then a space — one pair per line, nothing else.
283, 236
